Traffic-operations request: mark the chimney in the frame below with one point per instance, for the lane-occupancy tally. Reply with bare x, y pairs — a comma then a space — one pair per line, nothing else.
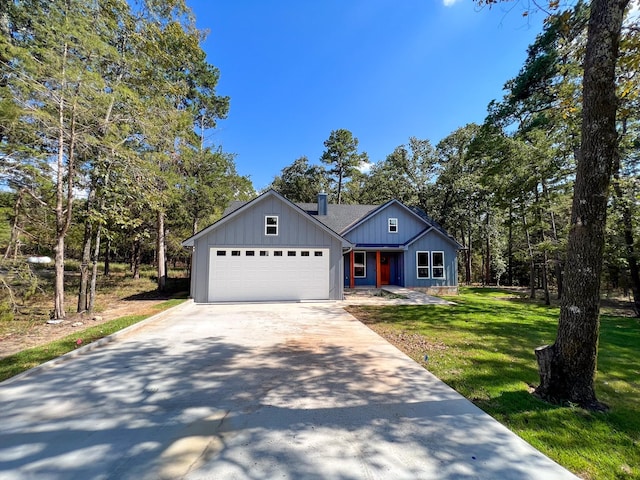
322, 203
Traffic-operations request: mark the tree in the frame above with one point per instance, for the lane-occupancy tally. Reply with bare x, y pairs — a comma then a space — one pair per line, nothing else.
52, 51
567, 368
300, 182
342, 154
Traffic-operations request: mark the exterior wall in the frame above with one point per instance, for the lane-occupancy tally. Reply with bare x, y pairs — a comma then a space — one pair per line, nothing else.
376, 231
432, 241
247, 229
395, 272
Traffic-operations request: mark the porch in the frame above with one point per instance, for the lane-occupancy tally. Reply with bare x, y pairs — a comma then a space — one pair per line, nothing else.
373, 268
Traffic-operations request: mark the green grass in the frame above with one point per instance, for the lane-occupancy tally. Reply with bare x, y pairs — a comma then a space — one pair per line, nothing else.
26, 359
483, 347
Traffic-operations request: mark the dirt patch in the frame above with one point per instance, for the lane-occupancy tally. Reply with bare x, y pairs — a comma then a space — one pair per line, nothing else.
412, 344
40, 332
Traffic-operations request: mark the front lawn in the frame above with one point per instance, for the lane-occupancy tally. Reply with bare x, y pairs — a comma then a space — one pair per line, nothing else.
483, 347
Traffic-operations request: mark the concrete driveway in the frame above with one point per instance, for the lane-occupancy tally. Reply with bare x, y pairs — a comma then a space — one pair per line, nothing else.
290, 391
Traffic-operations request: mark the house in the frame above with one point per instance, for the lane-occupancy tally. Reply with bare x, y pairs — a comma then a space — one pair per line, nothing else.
270, 249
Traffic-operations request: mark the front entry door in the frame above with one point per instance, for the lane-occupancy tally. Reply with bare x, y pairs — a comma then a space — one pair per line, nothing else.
385, 275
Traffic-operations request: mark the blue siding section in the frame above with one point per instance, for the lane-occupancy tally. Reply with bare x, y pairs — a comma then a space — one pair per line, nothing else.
375, 231
396, 264
432, 241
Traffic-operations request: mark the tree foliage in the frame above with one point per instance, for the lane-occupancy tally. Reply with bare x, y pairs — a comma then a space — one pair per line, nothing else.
108, 101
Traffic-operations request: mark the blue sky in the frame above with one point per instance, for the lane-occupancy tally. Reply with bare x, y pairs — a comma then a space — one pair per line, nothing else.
384, 69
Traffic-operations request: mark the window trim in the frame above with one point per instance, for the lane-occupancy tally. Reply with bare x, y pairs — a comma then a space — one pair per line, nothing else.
433, 265
364, 264
428, 266
267, 225
392, 222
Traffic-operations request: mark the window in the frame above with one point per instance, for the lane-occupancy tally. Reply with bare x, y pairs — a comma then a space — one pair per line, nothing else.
304, 254
249, 253
271, 225
360, 264
221, 253
422, 262
277, 253
437, 264
264, 253
317, 254
393, 225
291, 253
235, 253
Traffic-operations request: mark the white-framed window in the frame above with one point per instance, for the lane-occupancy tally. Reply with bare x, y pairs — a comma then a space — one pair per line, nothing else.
393, 225
359, 264
271, 225
437, 264
422, 265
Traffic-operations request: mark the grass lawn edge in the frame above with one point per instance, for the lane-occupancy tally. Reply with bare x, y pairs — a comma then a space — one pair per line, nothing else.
59, 359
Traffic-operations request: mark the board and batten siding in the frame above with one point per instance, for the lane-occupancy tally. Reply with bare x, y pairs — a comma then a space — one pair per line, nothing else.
247, 229
376, 229
432, 241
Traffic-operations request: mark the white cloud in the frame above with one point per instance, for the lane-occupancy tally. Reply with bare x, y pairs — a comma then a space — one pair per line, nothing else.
365, 167
448, 3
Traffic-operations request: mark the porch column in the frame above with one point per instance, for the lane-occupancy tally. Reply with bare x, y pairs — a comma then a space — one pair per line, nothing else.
352, 269
378, 276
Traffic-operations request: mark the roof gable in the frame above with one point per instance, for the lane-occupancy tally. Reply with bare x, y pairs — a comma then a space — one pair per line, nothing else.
238, 208
381, 208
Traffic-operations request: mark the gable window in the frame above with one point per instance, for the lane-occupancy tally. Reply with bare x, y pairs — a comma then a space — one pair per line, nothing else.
271, 225
360, 264
437, 264
393, 225
422, 263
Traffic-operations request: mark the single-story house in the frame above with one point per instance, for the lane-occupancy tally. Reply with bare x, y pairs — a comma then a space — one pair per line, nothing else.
271, 249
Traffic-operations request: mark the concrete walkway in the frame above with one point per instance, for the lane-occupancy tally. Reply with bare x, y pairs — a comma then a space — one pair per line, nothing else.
262, 391
411, 297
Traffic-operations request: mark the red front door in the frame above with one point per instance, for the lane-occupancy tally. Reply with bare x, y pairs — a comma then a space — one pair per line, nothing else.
385, 274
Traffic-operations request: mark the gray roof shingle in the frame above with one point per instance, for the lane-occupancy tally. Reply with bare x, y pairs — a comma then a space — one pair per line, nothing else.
338, 218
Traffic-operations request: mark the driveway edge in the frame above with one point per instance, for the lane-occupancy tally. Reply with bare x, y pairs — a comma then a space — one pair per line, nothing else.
96, 344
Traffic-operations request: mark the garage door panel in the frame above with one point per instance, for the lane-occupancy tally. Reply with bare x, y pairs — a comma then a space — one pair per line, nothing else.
268, 277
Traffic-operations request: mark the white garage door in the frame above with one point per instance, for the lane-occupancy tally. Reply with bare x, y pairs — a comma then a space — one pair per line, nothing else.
254, 274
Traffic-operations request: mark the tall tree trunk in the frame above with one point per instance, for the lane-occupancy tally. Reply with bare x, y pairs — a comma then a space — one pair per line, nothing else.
86, 256
487, 262
544, 271
94, 269
15, 227
567, 368
107, 257
627, 225
468, 259
554, 233
510, 247
532, 260
161, 252
135, 258
64, 203
545, 278
58, 309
